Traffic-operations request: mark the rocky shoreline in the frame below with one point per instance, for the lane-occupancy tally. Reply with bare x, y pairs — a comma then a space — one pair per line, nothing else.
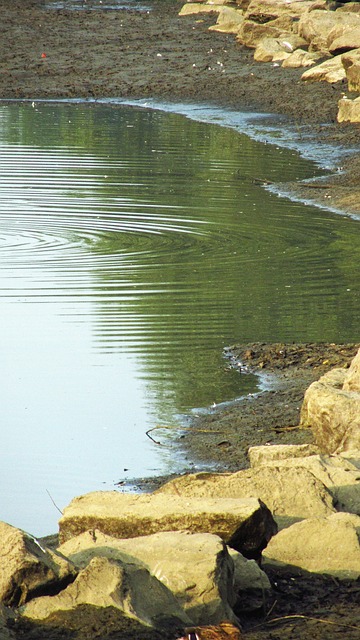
95, 589
210, 549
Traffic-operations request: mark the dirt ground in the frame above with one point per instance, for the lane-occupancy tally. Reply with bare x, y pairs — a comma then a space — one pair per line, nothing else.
99, 53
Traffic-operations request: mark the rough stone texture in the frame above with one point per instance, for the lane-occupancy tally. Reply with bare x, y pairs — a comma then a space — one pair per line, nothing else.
340, 476
224, 631
5, 616
247, 574
115, 583
229, 21
265, 10
270, 49
196, 7
319, 545
251, 33
197, 568
352, 377
290, 494
315, 26
332, 413
329, 71
300, 58
348, 110
27, 568
349, 40
264, 454
244, 524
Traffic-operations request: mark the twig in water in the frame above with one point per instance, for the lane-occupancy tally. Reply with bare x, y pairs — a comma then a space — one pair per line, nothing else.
159, 426
53, 501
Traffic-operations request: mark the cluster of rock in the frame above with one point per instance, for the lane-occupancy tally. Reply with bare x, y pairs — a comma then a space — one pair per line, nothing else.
297, 33
188, 555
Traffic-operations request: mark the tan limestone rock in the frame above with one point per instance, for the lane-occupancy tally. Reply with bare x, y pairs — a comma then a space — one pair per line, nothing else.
197, 568
26, 567
244, 524
301, 58
229, 20
350, 7
265, 10
290, 494
340, 476
264, 454
332, 413
319, 545
111, 582
192, 8
348, 41
329, 71
352, 377
348, 111
270, 49
315, 26
251, 33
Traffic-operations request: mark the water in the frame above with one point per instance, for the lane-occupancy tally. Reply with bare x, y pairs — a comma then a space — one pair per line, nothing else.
134, 245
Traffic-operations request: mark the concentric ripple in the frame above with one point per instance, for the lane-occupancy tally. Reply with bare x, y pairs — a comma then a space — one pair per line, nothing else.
134, 246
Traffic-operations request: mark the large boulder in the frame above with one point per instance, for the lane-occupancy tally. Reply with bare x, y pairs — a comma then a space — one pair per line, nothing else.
244, 524
228, 21
266, 10
197, 568
349, 40
263, 454
329, 71
28, 568
319, 545
270, 49
290, 494
349, 110
352, 377
315, 26
333, 411
251, 33
340, 476
117, 583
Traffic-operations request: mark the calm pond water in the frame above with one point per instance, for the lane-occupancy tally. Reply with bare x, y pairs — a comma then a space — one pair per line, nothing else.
134, 246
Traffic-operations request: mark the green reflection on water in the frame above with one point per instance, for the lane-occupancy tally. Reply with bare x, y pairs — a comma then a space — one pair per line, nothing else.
190, 252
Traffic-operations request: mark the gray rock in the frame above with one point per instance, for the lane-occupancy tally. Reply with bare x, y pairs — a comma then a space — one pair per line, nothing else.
319, 545
28, 568
113, 582
244, 524
196, 568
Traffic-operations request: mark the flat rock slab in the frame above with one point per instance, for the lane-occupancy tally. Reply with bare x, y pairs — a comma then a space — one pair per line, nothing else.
319, 545
197, 568
290, 493
244, 524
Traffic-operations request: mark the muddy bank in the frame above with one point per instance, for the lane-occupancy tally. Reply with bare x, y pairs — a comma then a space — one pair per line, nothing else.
223, 436
61, 53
